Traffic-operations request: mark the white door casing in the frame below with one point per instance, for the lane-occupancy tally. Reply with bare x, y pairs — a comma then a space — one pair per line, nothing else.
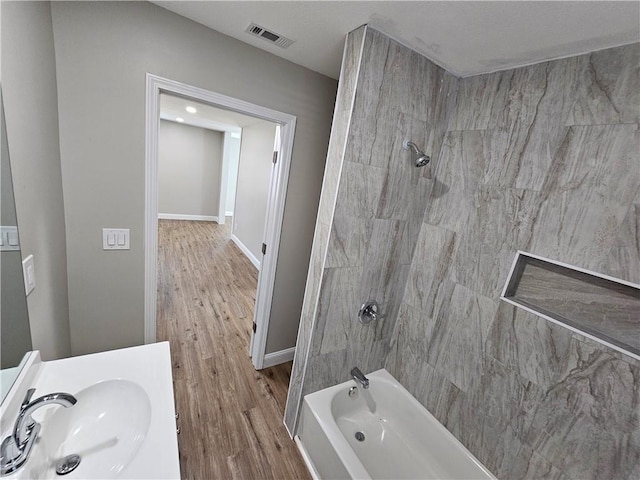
275, 208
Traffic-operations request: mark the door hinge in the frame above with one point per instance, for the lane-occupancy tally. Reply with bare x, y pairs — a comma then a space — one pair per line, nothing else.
264, 248
275, 156
255, 327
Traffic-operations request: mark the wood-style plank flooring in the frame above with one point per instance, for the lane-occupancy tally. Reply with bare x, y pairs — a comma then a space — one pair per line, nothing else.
230, 414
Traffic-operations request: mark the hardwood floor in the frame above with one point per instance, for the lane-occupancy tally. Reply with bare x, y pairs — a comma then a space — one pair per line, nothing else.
230, 414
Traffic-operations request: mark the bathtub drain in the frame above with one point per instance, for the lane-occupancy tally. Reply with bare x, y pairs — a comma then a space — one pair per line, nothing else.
68, 464
360, 436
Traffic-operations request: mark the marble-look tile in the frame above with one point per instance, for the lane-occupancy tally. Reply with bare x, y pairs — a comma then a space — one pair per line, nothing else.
481, 101
349, 70
540, 97
348, 241
610, 90
462, 324
635, 472
382, 268
402, 175
539, 468
500, 223
587, 197
499, 406
537, 349
360, 189
340, 124
435, 253
333, 167
441, 397
457, 175
624, 258
417, 205
337, 308
593, 414
375, 106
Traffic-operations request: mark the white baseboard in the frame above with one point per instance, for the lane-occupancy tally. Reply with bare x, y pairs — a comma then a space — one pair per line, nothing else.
179, 216
229, 214
276, 358
252, 258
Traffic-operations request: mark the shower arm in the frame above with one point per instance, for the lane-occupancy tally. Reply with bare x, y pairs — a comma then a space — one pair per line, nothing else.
415, 148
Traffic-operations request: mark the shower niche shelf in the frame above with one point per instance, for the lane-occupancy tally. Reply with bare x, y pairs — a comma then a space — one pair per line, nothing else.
600, 307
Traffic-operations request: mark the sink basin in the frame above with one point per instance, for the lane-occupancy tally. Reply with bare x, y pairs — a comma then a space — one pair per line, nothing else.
106, 427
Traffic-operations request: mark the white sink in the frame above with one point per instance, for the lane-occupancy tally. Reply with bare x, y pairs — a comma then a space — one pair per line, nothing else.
106, 428
122, 425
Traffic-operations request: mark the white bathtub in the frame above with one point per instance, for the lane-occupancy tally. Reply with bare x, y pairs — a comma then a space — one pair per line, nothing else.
402, 440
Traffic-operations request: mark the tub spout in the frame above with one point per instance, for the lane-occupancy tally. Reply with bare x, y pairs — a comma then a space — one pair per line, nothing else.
359, 377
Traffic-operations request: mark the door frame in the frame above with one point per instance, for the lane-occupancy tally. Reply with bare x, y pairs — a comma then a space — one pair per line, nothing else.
155, 85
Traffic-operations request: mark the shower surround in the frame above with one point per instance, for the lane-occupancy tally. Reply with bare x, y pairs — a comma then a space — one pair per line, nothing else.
542, 158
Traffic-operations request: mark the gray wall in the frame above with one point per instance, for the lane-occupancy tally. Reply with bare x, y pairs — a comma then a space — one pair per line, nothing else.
543, 158
31, 107
254, 173
189, 163
103, 51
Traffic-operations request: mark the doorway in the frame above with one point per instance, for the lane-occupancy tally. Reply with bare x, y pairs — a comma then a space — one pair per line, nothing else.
274, 212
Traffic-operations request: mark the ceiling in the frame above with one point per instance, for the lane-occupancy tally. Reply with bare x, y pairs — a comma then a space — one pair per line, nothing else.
466, 38
206, 116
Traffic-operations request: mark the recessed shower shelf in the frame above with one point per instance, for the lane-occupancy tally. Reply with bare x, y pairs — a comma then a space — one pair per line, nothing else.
600, 307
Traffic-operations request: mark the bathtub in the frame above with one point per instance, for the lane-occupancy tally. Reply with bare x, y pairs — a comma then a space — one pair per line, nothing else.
379, 433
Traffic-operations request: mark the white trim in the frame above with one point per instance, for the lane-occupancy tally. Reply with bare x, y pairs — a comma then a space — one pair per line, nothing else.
228, 213
246, 251
224, 176
276, 358
199, 122
553, 320
180, 216
275, 210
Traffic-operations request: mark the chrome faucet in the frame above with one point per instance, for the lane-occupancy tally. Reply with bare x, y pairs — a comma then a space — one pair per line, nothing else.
15, 449
359, 377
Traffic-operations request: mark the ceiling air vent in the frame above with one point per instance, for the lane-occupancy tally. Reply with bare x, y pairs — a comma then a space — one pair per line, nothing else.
269, 36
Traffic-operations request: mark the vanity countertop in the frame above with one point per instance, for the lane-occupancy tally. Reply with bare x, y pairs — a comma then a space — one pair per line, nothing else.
148, 366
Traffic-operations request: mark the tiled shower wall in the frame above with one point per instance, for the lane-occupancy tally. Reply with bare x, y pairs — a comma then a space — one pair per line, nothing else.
543, 159
371, 208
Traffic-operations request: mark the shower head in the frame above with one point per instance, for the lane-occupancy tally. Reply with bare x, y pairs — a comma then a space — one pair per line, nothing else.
422, 159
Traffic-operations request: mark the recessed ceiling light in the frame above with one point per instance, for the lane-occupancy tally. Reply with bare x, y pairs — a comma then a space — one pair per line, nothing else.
179, 119
191, 109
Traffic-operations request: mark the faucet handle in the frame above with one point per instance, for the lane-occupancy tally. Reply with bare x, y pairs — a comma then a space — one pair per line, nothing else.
27, 398
30, 422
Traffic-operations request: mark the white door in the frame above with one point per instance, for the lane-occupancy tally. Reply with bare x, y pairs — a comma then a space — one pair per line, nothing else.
260, 316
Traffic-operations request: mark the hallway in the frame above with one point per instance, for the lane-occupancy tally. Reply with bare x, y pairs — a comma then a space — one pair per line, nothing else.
230, 414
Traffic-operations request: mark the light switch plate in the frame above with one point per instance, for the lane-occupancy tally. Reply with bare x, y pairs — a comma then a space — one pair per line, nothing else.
9, 238
29, 274
115, 239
